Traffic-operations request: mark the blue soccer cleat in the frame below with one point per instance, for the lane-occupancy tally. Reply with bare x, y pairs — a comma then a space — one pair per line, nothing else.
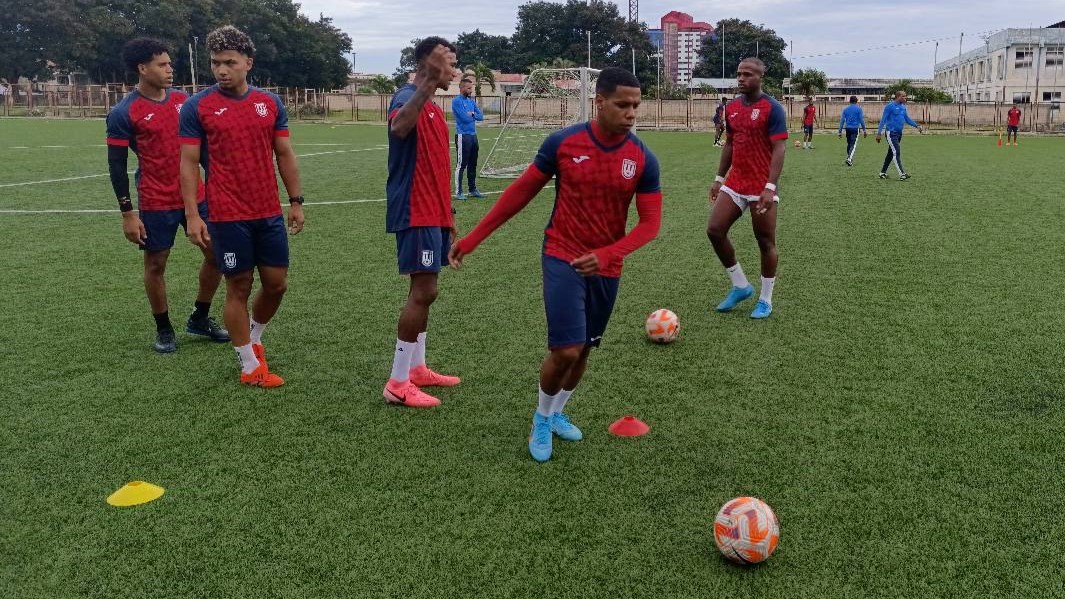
540, 438
476, 193
734, 297
566, 430
460, 196
762, 310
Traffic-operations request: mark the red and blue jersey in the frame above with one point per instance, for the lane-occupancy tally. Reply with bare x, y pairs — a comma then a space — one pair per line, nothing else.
752, 129
1013, 117
150, 129
419, 169
236, 138
594, 187
809, 115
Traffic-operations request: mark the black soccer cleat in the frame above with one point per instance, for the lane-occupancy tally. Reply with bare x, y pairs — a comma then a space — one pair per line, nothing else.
904, 176
207, 327
883, 175
165, 342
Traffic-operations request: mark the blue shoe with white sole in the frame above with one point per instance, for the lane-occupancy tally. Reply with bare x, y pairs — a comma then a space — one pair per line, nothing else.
762, 310
566, 430
540, 438
734, 297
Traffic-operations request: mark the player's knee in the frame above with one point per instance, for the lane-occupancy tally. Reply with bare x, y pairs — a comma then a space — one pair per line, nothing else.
766, 243
569, 355
716, 232
155, 264
275, 288
424, 294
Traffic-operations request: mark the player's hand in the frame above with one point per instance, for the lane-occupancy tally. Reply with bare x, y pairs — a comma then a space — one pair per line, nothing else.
455, 256
133, 228
437, 67
920, 130
714, 190
865, 134
877, 138
765, 201
197, 232
587, 265
295, 218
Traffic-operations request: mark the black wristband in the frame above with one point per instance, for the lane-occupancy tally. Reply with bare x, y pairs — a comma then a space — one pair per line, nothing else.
296, 200
125, 205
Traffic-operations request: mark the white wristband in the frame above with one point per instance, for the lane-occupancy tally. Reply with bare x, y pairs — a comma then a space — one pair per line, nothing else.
719, 179
770, 187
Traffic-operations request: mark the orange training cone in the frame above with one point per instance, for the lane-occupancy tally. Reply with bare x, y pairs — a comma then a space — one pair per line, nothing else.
1000, 141
629, 426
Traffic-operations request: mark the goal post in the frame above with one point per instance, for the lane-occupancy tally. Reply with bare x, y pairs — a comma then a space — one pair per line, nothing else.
551, 99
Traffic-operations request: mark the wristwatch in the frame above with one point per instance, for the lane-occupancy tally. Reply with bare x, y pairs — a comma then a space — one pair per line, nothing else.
296, 200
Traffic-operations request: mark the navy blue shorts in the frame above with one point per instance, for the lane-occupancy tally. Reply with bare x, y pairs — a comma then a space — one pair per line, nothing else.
578, 307
808, 129
422, 249
241, 245
161, 226
1011, 128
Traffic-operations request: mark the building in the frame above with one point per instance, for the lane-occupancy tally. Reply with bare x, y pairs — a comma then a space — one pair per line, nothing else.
679, 41
1014, 66
867, 89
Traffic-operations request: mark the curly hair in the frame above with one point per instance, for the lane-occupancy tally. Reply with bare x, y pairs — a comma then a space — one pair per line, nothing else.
140, 51
427, 45
229, 37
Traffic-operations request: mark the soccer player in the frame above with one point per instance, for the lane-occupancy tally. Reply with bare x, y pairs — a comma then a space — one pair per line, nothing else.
146, 121
467, 114
852, 119
235, 131
809, 117
1013, 122
719, 122
894, 120
750, 167
419, 213
599, 166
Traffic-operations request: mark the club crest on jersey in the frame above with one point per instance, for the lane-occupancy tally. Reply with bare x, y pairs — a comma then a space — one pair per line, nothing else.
755, 113
628, 168
230, 259
177, 107
260, 109
427, 258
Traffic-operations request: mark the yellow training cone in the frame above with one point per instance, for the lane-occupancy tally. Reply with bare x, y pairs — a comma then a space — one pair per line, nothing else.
135, 493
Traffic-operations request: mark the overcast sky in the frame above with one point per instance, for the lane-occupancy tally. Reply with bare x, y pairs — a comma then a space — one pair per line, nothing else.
380, 28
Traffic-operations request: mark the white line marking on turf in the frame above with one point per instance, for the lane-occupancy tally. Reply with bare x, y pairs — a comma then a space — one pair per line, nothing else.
57, 180
112, 211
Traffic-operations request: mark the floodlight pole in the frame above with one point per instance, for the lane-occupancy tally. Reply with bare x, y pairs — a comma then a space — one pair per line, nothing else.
192, 67
589, 48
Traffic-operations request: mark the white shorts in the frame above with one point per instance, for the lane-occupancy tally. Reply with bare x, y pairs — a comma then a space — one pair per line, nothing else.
743, 201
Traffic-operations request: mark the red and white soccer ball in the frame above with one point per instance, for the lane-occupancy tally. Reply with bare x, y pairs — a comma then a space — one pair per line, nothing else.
798, 144
746, 530
662, 326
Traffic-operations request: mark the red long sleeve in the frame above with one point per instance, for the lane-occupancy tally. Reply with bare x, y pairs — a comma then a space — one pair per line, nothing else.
514, 198
649, 207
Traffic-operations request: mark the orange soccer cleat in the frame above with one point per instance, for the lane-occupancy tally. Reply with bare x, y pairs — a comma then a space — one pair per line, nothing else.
260, 353
423, 377
408, 394
262, 377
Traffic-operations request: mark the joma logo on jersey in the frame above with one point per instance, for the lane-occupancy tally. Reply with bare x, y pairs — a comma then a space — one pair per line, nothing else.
220, 111
260, 109
149, 117
755, 113
427, 258
628, 168
230, 259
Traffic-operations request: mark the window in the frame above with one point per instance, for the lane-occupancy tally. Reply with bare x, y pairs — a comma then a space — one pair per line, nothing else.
1022, 98
1051, 96
1024, 59
1055, 57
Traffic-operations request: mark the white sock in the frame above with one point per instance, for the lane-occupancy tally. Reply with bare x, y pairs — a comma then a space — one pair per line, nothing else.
545, 404
767, 290
418, 358
736, 274
560, 401
257, 331
401, 361
248, 361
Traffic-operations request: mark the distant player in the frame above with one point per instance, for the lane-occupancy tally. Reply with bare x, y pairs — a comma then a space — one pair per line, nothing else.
467, 115
146, 121
752, 161
419, 214
894, 120
235, 131
809, 118
719, 122
1013, 123
852, 119
598, 167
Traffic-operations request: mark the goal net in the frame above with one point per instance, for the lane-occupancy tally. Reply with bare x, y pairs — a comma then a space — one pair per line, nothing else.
552, 99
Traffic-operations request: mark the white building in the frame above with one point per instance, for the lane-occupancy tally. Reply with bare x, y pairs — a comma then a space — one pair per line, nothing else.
1013, 65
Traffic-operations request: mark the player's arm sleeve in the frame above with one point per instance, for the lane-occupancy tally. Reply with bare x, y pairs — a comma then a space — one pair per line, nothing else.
842, 120
547, 157
516, 196
477, 112
281, 123
778, 122
399, 101
462, 117
883, 120
909, 121
119, 134
190, 129
649, 209
861, 116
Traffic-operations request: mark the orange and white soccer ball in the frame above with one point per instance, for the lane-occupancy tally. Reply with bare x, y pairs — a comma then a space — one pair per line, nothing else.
662, 326
746, 530
798, 144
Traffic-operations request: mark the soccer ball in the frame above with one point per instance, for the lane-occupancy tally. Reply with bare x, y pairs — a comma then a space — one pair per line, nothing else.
662, 326
798, 144
746, 530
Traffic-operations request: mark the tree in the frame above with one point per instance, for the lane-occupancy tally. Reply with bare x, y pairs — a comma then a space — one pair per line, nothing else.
807, 82
493, 50
904, 85
742, 39
930, 95
407, 63
480, 72
380, 84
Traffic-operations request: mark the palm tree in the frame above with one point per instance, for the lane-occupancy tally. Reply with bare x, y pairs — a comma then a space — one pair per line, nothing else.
480, 72
808, 82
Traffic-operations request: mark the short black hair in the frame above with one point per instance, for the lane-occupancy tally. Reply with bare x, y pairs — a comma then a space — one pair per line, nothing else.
465, 80
755, 61
854, 99
140, 51
611, 77
228, 37
427, 45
